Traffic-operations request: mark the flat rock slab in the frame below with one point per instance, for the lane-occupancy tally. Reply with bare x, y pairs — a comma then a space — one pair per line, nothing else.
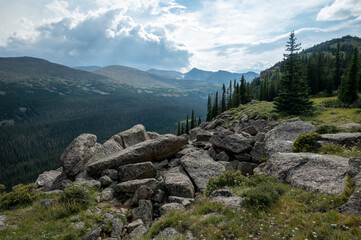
308, 171
201, 167
46, 179
136, 171
178, 183
231, 202
150, 150
347, 139
133, 185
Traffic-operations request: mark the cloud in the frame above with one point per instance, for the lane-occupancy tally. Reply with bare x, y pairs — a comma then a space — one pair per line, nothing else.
340, 10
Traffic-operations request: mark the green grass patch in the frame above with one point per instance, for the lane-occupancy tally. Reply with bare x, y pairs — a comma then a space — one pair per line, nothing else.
343, 151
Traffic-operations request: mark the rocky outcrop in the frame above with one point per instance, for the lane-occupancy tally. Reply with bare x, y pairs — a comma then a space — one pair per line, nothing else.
136, 171
46, 179
201, 167
150, 150
308, 171
178, 183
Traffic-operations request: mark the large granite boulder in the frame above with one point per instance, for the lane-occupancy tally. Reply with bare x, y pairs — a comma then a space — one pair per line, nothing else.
136, 171
234, 143
347, 139
144, 212
201, 167
132, 185
150, 150
46, 179
282, 136
178, 183
308, 171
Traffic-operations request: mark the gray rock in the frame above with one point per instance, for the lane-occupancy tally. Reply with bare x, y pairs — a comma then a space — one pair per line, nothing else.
151, 150
243, 157
143, 192
112, 173
171, 206
161, 164
259, 152
189, 236
227, 165
131, 226
231, 202
144, 211
193, 133
78, 225
136, 171
93, 235
117, 228
174, 163
260, 137
222, 193
138, 232
201, 167
134, 136
46, 179
349, 126
347, 139
203, 135
132, 185
153, 135
47, 202
186, 150
77, 154
90, 183
281, 137
235, 164
158, 196
235, 143
246, 168
250, 130
107, 194
313, 172
168, 233
178, 183
2, 222
222, 156
105, 181
180, 199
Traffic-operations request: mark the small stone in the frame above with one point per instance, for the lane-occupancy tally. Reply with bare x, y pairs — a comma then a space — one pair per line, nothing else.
168, 233
112, 173
135, 224
47, 202
105, 181
107, 194
78, 225
138, 232
171, 206
144, 211
2, 222
117, 228
93, 235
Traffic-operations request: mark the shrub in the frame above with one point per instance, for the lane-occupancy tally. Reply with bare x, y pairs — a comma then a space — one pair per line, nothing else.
334, 103
355, 129
225, 179
328, 129
306, 142
264, 195
20, 195
75, 193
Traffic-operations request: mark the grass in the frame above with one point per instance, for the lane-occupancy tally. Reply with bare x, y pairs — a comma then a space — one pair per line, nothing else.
343, 151
296, 215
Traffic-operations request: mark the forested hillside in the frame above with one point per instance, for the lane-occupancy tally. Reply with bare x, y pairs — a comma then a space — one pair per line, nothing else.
44, 106
320, 67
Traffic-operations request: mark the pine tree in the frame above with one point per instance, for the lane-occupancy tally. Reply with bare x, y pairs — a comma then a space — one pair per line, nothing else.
243, 91
199, 120
209, 109
178, 129
187, 125
193, 122
337, 74
215, 106
182, 129
223, 103
348, 89
293, 91
229, 104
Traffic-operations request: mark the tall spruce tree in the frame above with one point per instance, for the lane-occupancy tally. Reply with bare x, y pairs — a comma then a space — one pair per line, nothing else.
229, 100
223, 101
199, 120
193, 120
293, 90
243, 91
337, 74
348, 90
215, 106
209, 108
182, 129
178, 129
187, 125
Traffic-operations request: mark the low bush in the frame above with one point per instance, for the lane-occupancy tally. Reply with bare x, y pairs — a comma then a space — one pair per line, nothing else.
334, 103
328, 129
225, 179
19, 196
306, 142
75, 193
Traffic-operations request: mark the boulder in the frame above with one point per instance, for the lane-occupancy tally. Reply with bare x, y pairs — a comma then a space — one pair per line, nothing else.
131, 226
221, 193
89, 182
105, 181
178, 183
143, 192
77, 154
222, 156
93, 235
153, 135
246, 168
112, 173
144, 212
46, 179
157, 150
132, 185
193, 133
168, 233
350, 126
117, 228
227, 165
138, 232
136, 171
160, 165
201, 167
2, 222
243, 157
308, 171
231, 202
180, 199
250, 130
171, 206
235, 143
107, 194
347, 139
203, 135
186, 150
259, 152
134, 136
282, 136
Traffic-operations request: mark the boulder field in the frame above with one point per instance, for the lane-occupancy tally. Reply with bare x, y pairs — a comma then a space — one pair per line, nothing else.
150, 173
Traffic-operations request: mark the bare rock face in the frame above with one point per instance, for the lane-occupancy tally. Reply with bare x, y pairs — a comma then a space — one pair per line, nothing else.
281, 137
308, 171
150, 150
136, 171
77, 154
46, 179
201, 167
178, 183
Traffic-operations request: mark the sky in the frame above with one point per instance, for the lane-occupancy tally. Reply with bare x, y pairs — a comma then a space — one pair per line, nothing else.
232, 35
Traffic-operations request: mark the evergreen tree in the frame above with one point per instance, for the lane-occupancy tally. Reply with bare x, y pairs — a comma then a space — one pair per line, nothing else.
209, 109
293, 90
178, 129
243, 91
182, 129
187, 125
229, 104
336, 78
215, 106
223, 103
348, 89
199, 120
193, 120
